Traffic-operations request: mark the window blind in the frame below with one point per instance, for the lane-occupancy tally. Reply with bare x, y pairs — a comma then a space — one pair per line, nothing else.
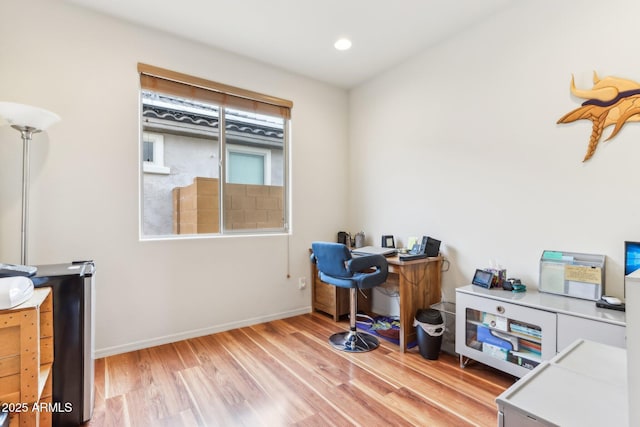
185, 86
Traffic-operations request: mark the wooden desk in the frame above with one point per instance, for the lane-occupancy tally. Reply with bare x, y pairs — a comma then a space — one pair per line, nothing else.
419, 285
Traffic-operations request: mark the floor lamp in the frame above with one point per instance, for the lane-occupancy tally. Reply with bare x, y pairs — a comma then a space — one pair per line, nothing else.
27, 120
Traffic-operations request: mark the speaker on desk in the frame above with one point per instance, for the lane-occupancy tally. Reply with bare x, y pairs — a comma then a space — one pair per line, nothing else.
433, 247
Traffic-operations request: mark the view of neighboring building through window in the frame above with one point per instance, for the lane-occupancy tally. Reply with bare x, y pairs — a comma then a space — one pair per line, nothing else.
188, 144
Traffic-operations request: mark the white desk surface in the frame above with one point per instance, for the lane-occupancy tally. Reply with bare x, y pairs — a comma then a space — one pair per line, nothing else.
550, 302
585, 385
634, 274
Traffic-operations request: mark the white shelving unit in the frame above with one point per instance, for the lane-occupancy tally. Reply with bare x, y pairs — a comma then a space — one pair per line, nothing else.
514, 332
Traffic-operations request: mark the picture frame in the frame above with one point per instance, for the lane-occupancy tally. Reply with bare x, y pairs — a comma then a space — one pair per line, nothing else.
388, 241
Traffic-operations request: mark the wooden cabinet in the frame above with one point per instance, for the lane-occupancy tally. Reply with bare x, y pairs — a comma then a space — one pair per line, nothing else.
333, 300
514, 332
26, 358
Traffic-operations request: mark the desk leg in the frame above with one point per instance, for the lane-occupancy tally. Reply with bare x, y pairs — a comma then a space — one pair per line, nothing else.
420, 286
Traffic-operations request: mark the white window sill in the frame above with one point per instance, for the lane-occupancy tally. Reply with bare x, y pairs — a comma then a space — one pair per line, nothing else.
151, 168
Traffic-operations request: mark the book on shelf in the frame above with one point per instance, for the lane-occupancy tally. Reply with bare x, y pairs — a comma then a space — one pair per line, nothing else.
495, 321
531, 347
485, 336
526, 359
495, 351
525, 329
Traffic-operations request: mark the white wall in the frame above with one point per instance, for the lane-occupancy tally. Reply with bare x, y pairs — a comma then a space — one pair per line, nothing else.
467, 137
85, 177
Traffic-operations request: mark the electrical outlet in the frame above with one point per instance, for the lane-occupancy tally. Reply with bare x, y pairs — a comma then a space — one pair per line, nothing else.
302, 283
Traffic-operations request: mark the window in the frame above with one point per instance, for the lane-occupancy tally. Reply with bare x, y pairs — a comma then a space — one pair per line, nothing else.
153, 153
248, 165
194, 132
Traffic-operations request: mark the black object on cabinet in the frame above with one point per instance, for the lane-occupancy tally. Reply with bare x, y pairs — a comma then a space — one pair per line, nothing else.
73, 341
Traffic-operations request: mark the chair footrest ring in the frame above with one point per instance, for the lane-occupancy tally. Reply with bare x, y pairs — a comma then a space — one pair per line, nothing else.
354, 342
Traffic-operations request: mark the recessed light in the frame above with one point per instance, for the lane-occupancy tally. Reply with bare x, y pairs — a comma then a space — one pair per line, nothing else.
342, 44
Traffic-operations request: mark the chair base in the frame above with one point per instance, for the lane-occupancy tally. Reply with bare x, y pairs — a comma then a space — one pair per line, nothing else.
354, 342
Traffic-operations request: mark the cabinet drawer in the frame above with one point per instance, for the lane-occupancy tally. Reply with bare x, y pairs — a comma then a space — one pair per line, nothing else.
325, 294
571, 328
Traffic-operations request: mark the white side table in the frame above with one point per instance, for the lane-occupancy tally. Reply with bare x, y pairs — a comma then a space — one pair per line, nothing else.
584, 385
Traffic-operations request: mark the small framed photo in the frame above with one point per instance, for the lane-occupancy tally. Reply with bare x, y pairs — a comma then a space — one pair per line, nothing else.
388, 242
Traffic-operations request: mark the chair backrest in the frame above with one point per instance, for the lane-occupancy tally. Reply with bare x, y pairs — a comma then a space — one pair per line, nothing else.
332, 258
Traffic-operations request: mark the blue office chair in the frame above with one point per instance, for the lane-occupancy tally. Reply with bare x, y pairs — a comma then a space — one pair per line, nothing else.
338, 268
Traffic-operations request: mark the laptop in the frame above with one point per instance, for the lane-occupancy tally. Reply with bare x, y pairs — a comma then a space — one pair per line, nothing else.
374, 250
411, 257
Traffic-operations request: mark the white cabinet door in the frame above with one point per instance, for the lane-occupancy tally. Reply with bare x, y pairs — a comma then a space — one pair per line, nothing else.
509, 337
571, 328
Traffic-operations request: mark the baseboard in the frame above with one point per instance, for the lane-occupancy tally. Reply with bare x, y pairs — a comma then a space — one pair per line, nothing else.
138, 345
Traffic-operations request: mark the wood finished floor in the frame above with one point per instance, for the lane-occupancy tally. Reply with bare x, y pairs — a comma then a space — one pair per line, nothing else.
284, 373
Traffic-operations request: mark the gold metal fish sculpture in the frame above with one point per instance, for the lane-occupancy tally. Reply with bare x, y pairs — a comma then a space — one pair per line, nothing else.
611, 101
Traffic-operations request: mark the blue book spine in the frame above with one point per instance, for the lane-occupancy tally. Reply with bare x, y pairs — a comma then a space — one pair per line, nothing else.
485, 335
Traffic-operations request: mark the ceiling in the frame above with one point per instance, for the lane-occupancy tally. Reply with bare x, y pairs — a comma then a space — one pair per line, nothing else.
298, 35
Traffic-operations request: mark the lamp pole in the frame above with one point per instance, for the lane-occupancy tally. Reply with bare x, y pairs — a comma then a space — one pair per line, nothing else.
27, 120
26, 132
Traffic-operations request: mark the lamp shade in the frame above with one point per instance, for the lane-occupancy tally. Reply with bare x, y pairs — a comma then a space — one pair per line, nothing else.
21, 115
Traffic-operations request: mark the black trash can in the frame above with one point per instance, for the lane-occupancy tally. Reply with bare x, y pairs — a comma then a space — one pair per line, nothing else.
429, 328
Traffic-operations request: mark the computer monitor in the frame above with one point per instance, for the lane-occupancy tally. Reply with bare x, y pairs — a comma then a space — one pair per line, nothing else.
631, 257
